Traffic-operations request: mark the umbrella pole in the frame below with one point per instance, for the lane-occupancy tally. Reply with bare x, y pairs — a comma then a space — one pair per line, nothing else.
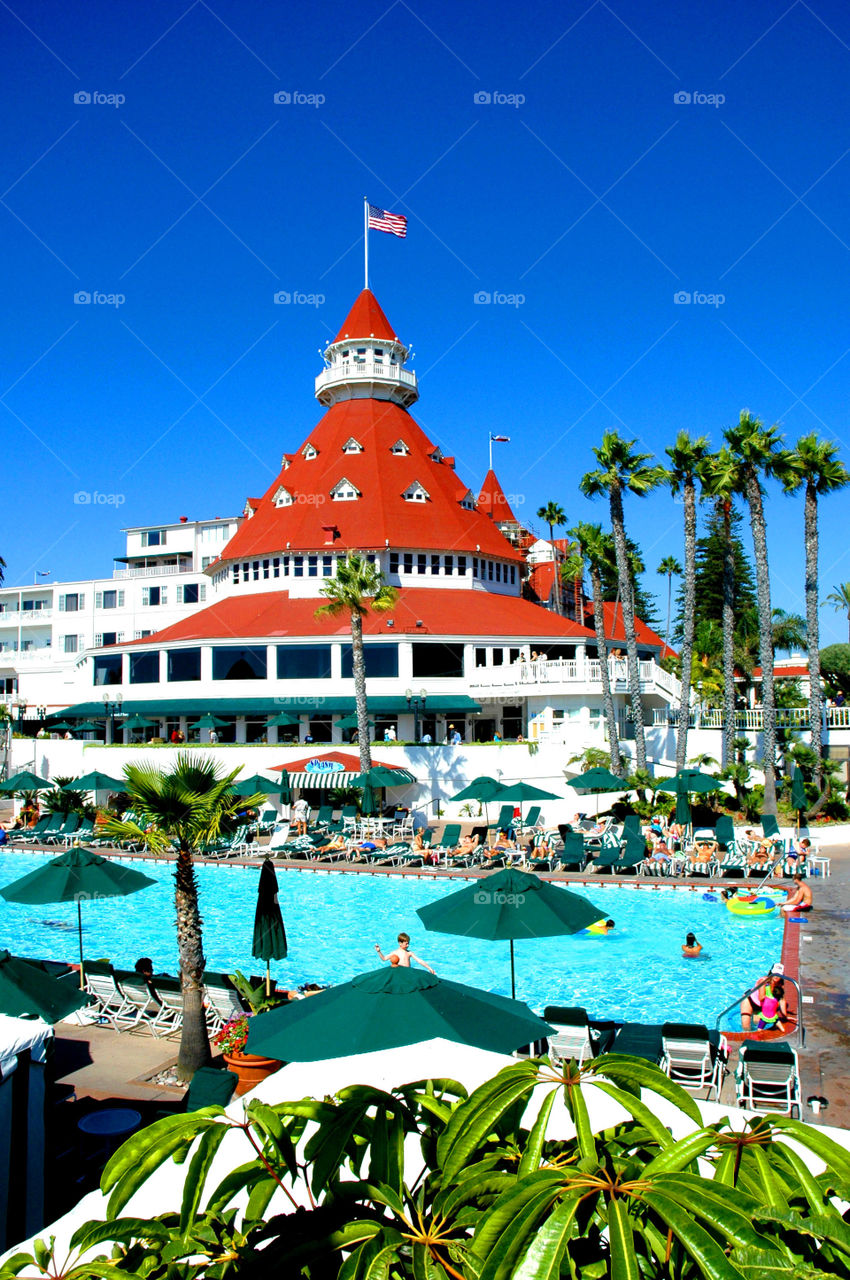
80, 931
513, 975
268, 979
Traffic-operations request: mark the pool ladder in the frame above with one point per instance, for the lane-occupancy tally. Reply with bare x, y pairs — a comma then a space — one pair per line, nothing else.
801, 1031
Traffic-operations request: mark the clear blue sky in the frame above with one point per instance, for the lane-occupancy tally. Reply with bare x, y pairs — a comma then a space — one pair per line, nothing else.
597, 198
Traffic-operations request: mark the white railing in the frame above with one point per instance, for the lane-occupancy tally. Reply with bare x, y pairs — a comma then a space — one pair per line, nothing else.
573, 671
155, 571
752, 717
351, 369
12, 657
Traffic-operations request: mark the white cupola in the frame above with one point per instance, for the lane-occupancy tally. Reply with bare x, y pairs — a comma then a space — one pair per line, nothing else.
366, 360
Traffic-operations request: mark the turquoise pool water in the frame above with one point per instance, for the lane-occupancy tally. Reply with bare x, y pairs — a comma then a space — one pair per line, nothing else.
334, 920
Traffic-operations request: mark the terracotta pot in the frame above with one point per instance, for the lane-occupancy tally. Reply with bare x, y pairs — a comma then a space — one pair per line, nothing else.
250, 1068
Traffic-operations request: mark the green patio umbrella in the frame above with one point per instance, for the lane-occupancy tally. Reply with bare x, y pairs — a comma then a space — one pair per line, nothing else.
77, 875
799, 800
598, 780
27, 990
350, 721
25, 781
62, 727
284, 720
135, 723
96, 781
256, 784
683, 783
389, 1007
269, 934
208, 721
510, 904
88, 727
482, 789
521, 792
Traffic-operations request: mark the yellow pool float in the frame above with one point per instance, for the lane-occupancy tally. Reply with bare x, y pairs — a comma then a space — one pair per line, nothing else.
762, 906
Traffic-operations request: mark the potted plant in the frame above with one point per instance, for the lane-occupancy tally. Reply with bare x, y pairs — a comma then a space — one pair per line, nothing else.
251, 1068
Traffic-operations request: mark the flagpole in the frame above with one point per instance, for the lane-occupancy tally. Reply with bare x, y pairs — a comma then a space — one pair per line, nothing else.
490, 435
365, 243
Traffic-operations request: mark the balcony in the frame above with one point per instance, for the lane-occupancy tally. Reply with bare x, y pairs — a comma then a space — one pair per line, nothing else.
522, 678
752, 718
15, 657
147, 571
368, 377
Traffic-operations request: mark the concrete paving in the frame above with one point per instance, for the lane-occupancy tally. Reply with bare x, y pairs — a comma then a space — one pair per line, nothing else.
99, 1063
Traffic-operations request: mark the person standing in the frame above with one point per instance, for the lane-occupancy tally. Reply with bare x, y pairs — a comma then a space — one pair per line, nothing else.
301, 815
402, 955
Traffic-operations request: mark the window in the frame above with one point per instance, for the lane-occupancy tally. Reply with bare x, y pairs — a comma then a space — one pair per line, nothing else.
152, 597
144, 667
73, 602
282, 497
107, 637
191, 592
416, 493
435, 564
481, 657
498, 571
475, 566
312, 566
107, 670
344, 491
360, 355
239, 663
380, 659
352, 446
498, 657
379, 355
153, 538
215, 532
266, 564
304, 662
298, 566
490, 570
408, 562
255, 565
327, 566
276, 567
141, 635
109, 600
461, 565
400, 449
511, 722
437, 660
467, 500
207, 560
70, 644
309, 452
421, 564
183, 664
450, 565
393, 562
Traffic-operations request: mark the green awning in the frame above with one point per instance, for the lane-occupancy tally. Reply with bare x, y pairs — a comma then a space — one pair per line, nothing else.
441, 704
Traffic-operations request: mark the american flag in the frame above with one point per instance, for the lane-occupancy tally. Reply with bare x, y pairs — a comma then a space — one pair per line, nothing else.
381, 220
501, 439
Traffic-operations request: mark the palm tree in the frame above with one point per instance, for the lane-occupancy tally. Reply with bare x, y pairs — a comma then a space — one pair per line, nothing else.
669, 569
187, 807
757, 449
813, 464
685, 457
839, 598
554, 515
623, 470
720, 474
597, 547
358, 585
789, 631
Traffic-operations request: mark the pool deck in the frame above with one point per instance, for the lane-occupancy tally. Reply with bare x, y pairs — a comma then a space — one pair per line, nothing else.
111, 1065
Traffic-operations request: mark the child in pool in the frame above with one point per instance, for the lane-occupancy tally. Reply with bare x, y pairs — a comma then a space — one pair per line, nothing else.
691, 947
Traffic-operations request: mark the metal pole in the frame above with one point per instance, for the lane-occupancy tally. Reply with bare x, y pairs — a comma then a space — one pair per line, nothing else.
80, 931
513, 977
365, 243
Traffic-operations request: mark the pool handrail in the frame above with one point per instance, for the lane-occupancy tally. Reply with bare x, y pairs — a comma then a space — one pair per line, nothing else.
801, 1032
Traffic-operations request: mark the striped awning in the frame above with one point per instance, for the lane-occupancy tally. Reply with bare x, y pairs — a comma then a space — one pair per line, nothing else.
327, 779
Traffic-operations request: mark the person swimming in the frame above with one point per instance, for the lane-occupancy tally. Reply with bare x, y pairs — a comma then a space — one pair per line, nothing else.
691, 947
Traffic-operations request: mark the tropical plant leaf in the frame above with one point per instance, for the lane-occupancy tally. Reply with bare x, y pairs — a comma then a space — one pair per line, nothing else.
759, 1264
196, 1176
473, 1119
530, 1159
639, 1110
271, 1124
836, 1159
702, 1247
627, 1071
526, 1199
544, 1256
624, 1263
143, 1153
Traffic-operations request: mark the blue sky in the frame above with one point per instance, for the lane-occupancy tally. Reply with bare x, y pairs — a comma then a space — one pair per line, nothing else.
597, 199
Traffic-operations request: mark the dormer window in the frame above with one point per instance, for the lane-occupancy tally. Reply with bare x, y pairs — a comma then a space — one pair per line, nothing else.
437, 455
282, 498
467, 500
248, 510
309, 452
352, 446
344, 491
416, 493
400, 448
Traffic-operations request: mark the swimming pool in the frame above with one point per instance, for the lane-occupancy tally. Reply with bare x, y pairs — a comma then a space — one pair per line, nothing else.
333, 921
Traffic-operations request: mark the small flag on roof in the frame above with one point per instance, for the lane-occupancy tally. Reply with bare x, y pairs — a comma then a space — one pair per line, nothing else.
501, 439
382, 220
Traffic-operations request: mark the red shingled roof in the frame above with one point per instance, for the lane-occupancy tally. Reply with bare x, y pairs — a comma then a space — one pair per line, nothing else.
381, 516
274, 614
350, 764
612, 613
366, 320
492, 500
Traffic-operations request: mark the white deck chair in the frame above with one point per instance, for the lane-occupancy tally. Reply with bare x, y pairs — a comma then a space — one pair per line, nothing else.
768, 1076
110, 1002
692, 1059
222, 1004
140, 1008
573, 1036
279, 837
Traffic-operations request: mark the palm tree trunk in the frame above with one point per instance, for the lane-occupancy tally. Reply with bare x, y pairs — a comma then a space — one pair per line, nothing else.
358, 663
728, 632
627, 599
669, 599
556, 579
194, 1041
602, 651
686, 675
812, 627
765, 612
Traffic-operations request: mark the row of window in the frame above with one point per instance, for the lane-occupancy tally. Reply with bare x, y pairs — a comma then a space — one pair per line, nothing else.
431, 660
284, 567
186, 593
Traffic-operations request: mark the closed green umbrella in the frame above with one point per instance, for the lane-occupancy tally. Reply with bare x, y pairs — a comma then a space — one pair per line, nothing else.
77, 875
96, 781
25, 781
507, 905
799, 800
285, 788
26, 990
389, 1007
269, 934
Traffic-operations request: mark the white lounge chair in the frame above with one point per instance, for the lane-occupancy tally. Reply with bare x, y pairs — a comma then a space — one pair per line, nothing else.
574, 1038
692, 1058
768, 1076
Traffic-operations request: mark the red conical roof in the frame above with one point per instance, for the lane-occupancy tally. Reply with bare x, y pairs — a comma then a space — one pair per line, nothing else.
492, 501
366, 320
309, 519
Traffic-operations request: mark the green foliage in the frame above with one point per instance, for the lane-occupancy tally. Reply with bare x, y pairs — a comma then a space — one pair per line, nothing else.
255, 994
426, 1183
835, 666
709, 584
59, 801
